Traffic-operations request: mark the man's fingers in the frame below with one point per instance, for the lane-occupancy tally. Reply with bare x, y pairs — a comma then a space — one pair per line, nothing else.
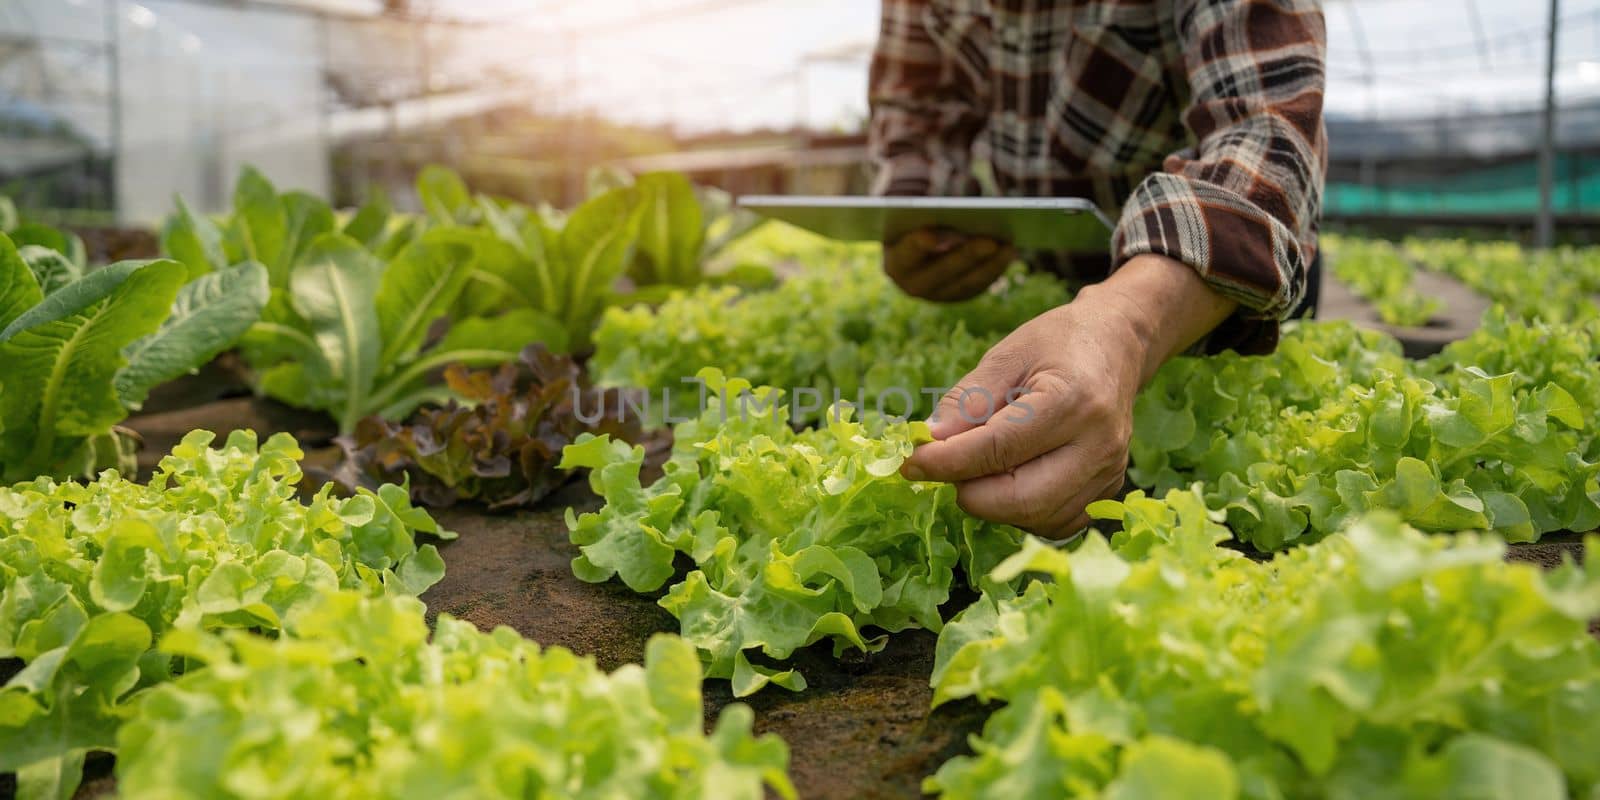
907, 249
959, 262
902, 257
1023, 430
979, 394
974, 437
912, 250
1046, 496
929, 279
977, 278
909, 261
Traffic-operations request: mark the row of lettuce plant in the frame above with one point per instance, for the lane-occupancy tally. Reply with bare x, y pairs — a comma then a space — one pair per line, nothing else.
1497, 432
364, 311
836, 330
1373, 661
94, 574
361, 701
224, 637
1378, 662
1377, 272
1556, 285
150, 620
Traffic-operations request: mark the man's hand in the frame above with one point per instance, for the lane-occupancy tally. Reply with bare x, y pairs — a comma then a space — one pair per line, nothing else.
945, 266
1040, 428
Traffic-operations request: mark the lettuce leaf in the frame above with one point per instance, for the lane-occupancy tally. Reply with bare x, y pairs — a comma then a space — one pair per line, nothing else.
360, 702
351, 334
841, 330
91, 574
499, 443
795, 537
61, 357
79, 350
1497, 432
208, 315
1377, 662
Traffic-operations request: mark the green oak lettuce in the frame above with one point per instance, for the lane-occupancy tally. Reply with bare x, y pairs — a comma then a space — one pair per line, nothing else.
1378, 662
795, 537
1292, 445
1383, 277
840, 326
92, 574
360, 701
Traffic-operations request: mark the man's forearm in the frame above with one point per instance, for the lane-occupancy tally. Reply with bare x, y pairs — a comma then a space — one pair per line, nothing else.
1167, 305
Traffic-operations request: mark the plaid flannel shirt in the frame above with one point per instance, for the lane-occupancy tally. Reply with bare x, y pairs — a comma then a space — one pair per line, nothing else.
1200, 119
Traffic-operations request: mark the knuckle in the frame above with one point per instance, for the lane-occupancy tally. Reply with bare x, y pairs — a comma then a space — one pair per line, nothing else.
1097, 407
1109, 453
1051, 383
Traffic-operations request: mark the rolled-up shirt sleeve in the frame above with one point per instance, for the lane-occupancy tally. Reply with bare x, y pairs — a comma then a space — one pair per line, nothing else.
1241, 206
923, 105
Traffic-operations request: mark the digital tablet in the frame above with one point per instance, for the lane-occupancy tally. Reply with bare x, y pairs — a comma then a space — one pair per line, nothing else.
1060, 224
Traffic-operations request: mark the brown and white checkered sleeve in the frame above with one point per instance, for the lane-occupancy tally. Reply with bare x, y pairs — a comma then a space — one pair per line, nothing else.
1241, 207
924, 109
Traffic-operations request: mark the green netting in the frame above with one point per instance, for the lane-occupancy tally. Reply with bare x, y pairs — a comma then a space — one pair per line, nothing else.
1511, 188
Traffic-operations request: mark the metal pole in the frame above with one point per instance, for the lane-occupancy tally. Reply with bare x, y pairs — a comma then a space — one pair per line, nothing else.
114, 98
1479, 34
1544, 230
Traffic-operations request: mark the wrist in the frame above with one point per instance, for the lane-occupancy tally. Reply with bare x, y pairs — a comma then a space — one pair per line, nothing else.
1164, 304
1124, 332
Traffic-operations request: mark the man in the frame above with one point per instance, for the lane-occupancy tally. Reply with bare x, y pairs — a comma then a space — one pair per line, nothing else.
1200, 119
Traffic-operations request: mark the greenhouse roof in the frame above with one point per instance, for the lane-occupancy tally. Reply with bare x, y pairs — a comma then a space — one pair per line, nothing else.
703, 64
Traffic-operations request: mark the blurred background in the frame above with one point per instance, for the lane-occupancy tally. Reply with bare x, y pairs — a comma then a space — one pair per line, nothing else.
1441, 112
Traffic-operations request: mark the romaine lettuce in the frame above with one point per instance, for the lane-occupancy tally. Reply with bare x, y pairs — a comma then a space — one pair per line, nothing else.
77, 353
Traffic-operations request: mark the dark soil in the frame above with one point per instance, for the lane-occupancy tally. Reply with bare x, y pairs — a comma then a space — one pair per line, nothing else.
1549, 551
515, 570
862, 728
